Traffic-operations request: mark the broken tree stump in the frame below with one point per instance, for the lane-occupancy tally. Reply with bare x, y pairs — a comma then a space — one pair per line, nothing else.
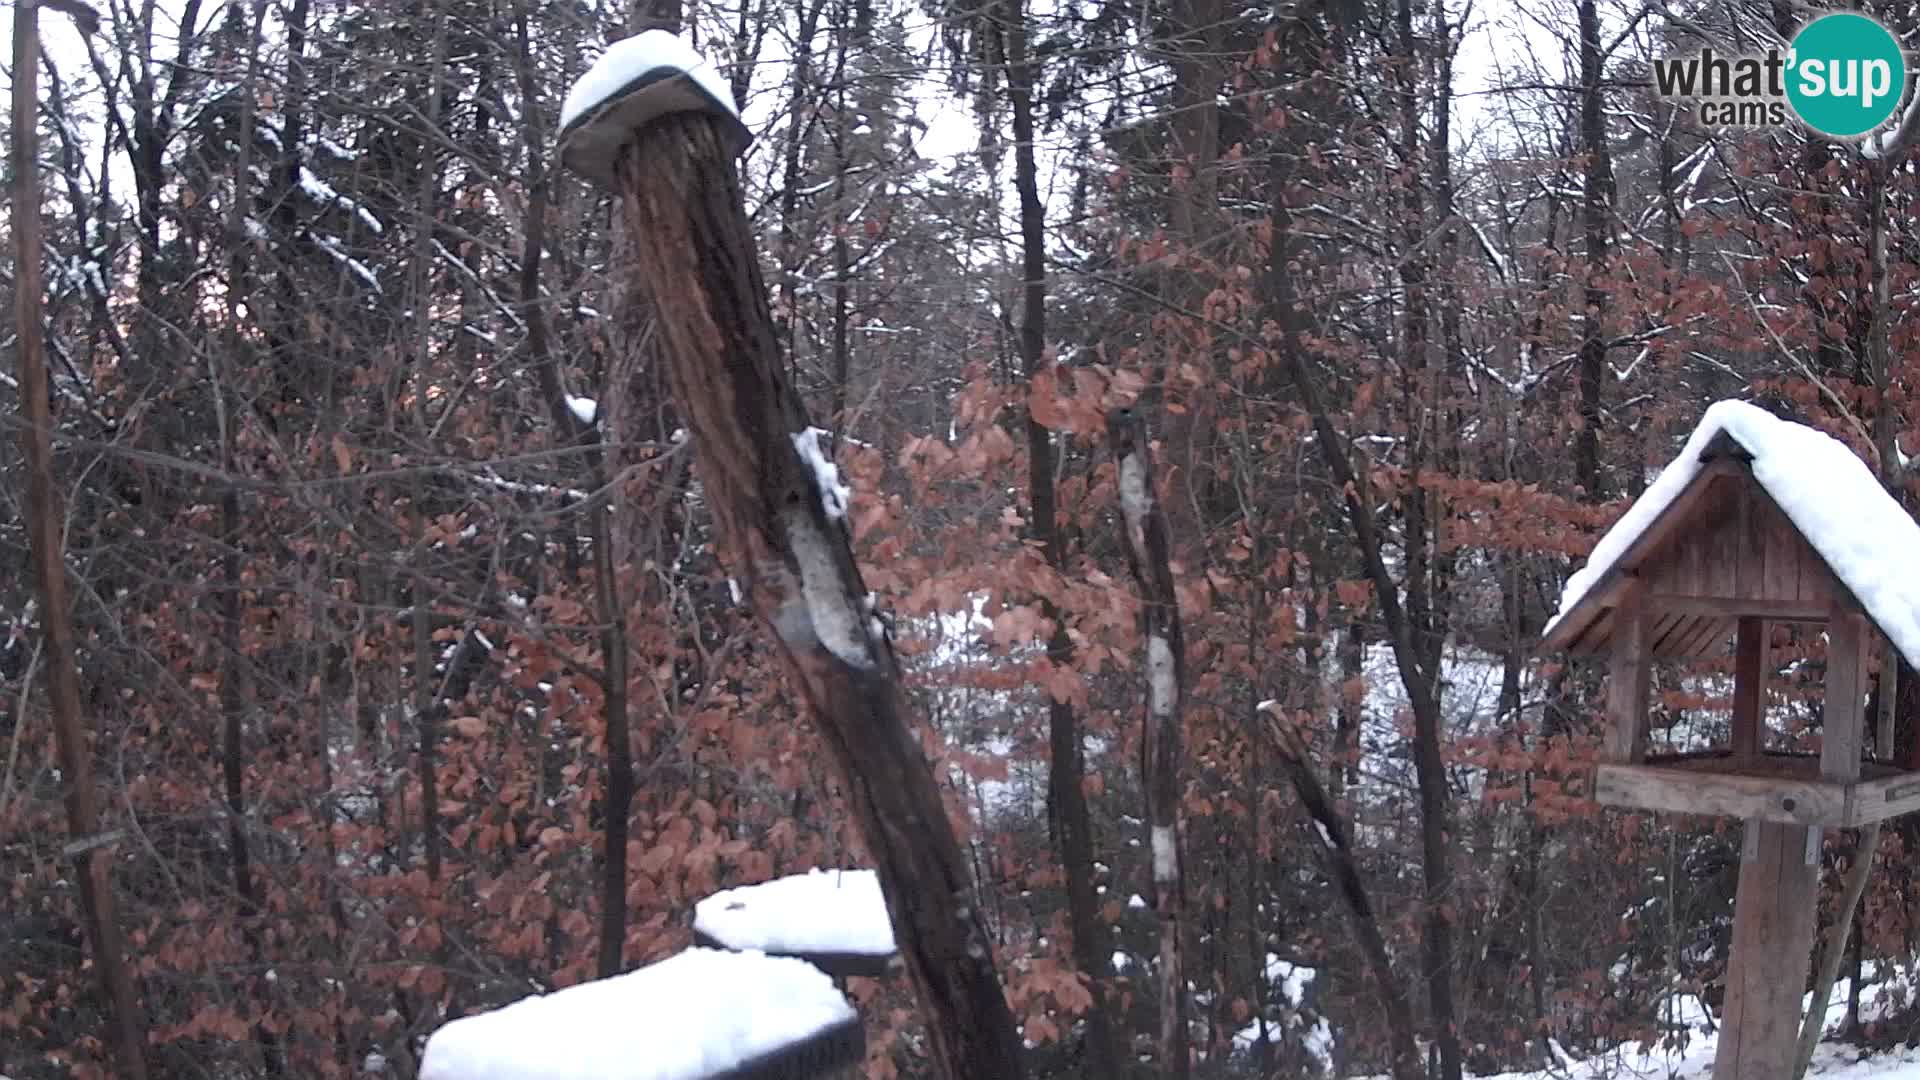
835, 920
703, 1014
779, 514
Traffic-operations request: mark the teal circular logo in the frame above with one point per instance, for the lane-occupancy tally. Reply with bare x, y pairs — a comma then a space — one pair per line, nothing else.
1846, 74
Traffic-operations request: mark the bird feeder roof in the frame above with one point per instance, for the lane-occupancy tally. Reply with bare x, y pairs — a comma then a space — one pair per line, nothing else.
1742, 459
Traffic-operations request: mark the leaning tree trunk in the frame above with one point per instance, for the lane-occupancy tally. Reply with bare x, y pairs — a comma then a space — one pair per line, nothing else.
780, 518
1336, 854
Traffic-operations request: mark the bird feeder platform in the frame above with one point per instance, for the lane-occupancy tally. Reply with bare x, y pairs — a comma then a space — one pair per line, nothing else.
1783, 788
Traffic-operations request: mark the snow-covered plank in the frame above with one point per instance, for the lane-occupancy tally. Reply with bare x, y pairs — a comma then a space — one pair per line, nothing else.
1827, 492
635, 82
703, 1014
835, 919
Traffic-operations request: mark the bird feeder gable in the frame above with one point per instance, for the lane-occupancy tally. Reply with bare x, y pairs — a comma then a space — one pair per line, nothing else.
1758, 516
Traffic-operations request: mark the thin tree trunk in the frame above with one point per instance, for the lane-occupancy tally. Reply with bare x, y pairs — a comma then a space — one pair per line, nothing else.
1596, 207
87, 846
1148, 554
610, 611
232, 697
1417, 642
425, 699
619, 798
1429, 768
1066, 772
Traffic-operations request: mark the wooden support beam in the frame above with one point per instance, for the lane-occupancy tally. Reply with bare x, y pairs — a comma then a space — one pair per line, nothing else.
1721, 794
1889, 689
1843, 716
1773, 923
1629, 677
1749, 688
1732, 607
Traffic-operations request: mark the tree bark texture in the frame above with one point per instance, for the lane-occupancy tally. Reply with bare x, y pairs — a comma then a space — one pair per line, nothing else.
1161, 751
779, 524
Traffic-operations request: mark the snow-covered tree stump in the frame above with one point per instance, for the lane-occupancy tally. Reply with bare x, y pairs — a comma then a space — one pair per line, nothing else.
835, 920
652, 121
704, 1014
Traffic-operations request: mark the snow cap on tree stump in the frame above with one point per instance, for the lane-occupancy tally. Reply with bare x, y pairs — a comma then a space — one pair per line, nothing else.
835, 920
636, 81
701, 1015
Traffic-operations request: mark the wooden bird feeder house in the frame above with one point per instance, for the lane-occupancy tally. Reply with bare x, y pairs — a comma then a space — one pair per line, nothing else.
1759, 522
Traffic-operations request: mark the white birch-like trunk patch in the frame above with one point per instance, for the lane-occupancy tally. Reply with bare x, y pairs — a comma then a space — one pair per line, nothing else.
1166, 860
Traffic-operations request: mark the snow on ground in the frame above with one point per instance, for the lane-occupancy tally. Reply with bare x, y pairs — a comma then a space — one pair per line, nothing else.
702, 1012
1290, 982
821, 911
629, 59
1824, 488
1686, 1016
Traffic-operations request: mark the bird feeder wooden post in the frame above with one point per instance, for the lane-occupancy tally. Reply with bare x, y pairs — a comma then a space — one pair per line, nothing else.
1714, 556
654, 123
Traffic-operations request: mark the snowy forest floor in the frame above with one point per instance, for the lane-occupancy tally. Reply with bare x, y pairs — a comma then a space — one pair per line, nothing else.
1687, 1053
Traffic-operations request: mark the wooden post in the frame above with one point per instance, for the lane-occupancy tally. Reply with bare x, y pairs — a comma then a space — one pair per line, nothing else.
1773, 917
1774, 910
1749, 688
1629, 676
1843, 717
779, 515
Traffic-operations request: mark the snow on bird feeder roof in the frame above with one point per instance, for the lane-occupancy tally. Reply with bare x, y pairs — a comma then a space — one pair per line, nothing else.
835, 919
704, 1014
1829, 496
635, 82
